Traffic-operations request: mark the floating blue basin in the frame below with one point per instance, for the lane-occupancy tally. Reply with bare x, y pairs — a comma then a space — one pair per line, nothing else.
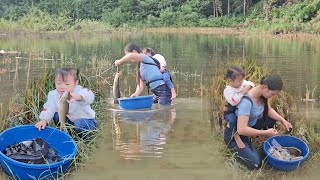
136, 102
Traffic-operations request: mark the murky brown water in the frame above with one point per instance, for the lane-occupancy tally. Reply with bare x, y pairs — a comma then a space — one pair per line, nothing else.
175, 142
171, 142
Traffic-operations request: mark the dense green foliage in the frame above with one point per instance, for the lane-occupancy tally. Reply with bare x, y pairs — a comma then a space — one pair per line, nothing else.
99, 15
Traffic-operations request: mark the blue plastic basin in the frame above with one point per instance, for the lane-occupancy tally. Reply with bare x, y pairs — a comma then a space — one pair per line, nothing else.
56, 139
136, 102
286, 141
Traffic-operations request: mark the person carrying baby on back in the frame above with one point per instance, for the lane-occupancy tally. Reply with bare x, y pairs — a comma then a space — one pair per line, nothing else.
233, 93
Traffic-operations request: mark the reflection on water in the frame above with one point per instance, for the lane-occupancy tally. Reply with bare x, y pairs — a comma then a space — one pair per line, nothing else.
151, 130
169, 143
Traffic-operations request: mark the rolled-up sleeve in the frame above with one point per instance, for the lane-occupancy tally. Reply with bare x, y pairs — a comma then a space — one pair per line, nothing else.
49, 108
87, 95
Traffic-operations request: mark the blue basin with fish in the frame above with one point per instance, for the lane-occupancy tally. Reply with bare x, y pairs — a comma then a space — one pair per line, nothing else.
286, 141
137, 102
56, 139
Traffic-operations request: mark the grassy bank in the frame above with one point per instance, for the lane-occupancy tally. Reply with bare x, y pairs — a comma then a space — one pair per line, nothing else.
285, 104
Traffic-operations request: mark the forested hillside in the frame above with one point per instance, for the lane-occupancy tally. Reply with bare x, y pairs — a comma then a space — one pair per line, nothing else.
86, 15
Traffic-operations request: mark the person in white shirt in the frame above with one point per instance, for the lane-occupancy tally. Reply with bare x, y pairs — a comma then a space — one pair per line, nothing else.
233, 93
80, 113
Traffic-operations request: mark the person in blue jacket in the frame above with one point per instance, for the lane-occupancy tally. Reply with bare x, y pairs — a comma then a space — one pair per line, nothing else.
147, 72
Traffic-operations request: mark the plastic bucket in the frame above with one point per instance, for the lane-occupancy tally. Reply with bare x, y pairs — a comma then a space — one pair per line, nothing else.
56, 139
136, 102
286, 141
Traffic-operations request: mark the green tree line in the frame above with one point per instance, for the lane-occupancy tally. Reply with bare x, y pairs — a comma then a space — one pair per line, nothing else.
57, 15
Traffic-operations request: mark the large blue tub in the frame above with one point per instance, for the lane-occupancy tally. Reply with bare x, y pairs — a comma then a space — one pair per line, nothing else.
286, 141
136, 102
58, 140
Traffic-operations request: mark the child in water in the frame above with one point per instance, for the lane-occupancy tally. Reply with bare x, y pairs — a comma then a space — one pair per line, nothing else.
166, 74
80, 113
233, 93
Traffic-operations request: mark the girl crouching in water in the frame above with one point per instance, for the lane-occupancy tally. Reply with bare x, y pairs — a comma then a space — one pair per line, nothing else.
80, 114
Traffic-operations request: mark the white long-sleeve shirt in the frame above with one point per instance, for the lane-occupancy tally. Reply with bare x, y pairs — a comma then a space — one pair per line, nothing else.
233, 95
77, 109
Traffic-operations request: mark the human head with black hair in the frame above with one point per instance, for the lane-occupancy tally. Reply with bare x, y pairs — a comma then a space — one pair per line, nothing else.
148, 51
272, 85
66, 79
132, 48
236, 76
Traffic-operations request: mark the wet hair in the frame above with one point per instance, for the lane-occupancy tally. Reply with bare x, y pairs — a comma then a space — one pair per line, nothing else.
132, 47
233, 72
148, 51
273, 81
67, 71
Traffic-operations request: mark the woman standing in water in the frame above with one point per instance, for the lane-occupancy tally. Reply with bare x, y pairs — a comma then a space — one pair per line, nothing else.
146, 72
255, 117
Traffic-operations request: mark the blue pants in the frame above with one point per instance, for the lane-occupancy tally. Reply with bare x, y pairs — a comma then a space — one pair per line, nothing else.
81, 125
248, 156
162, 94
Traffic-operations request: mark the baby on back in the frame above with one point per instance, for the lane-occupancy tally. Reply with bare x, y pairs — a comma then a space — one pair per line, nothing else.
166, 74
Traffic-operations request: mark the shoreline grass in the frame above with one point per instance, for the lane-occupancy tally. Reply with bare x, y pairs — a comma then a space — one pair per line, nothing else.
223, 31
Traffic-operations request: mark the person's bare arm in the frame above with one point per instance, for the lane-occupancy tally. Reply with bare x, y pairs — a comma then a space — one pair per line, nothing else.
139, 89
274, 115
245, 130
133, 57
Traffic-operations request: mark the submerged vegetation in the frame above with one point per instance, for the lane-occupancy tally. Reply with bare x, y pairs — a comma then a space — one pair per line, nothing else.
285, 104
275, 16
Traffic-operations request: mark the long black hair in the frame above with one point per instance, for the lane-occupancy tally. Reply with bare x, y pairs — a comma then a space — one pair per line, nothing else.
274, 83
132, 47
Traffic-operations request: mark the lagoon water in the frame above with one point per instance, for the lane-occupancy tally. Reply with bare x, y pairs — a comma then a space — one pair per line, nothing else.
171, 143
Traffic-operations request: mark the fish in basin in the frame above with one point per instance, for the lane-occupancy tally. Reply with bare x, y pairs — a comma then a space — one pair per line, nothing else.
35, 151
285, 153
